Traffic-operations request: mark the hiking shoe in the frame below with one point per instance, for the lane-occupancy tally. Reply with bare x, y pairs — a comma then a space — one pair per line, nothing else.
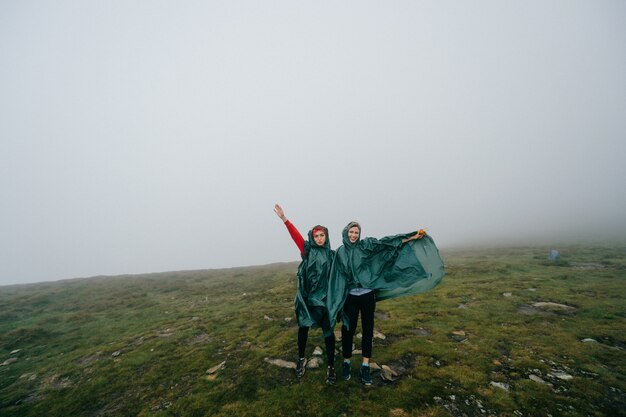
301, 367
331, 377
366, 376
346, 370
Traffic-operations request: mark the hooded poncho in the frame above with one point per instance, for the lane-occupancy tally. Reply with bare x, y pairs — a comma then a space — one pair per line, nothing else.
313, 273
387, 266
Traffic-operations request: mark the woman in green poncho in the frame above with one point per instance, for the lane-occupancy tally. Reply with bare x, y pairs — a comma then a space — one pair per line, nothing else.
370, 270
310, 302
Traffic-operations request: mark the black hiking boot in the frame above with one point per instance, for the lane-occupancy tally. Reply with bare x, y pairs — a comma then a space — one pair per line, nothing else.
301, 368
366, 375
331, 377
346, 370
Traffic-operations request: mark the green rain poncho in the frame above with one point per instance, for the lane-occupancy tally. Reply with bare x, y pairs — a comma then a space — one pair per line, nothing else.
313, 273
387, 266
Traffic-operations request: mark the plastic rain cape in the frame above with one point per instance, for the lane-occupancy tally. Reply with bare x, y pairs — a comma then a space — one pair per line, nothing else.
313, 273
388, 266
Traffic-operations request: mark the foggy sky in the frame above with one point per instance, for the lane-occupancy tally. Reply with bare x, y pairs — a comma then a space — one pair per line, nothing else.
154, 136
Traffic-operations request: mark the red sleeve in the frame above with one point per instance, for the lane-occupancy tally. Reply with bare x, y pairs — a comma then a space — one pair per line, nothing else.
296, 236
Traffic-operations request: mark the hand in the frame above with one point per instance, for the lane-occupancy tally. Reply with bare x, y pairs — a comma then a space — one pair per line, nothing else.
279, 212
420, 234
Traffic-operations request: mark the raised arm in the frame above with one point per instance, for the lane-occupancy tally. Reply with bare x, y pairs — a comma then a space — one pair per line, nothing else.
295, 234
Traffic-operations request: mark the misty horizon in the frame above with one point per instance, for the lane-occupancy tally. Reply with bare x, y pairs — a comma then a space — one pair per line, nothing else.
139, 138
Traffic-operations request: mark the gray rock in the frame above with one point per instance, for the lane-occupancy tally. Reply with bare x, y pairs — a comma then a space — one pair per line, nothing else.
538, 380
507, 294
379, 335
318, 351
388, 374
216, 368
9, 361
561, 375
314, 362
500, 385
588, 340
548, 304
281, 363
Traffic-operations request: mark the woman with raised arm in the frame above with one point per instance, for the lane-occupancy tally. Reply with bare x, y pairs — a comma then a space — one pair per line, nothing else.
310, 301
369, 270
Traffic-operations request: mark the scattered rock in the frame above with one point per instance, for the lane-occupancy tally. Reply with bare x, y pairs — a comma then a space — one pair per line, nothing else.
388, 374
9, 361
287, 319
216, 368
458, 336
13, 352
195, 318
268, 318
531, 289
281, 363
561, 375
538, 380
165, 333
588, 340
200, 338
421, 332
63, 383
549, 305
338, 335
88, 360
500, 385
374, 366
318, 351
507, 294
314, 362
462, 306
116, 353
529, 310
379, 335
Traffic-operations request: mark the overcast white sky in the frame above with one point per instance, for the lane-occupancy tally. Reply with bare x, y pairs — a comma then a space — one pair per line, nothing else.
146, 136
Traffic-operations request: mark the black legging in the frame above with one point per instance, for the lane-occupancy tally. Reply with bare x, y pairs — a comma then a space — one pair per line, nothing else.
303, 334
366, 305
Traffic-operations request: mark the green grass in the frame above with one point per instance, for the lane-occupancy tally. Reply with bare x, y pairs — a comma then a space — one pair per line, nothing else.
140, 345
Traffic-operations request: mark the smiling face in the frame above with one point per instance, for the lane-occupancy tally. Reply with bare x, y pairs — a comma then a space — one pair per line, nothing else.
353, 234
319, 237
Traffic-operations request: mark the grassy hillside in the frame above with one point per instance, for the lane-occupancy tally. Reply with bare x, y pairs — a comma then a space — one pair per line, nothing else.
479, 344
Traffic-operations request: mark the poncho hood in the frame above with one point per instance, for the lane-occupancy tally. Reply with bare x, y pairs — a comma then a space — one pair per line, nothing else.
344, 234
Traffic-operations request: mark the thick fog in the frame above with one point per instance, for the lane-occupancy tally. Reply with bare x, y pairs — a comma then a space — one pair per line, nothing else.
155, 136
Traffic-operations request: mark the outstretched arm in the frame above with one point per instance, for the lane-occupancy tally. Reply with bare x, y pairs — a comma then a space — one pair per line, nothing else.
420, 234
295, 234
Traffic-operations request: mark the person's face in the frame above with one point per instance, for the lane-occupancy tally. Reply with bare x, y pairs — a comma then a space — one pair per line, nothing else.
319, 237
353, 234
